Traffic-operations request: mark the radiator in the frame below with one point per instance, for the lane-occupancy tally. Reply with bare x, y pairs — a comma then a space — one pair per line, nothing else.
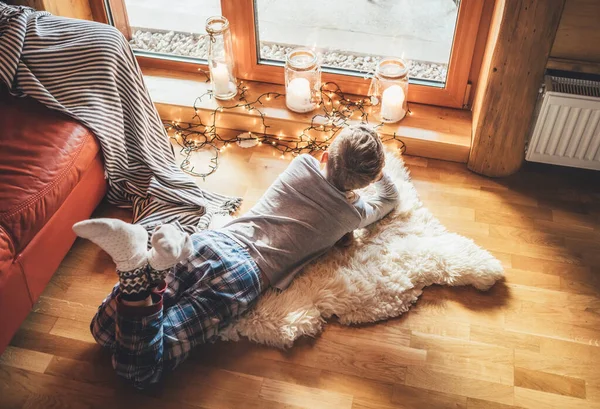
566, 128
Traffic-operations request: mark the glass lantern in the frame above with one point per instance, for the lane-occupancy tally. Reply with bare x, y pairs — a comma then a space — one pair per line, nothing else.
389, 90
302, 80
221, 63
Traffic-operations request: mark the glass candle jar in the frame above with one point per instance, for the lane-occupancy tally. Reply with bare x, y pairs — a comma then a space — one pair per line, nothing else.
302, 80
389, 90
221, 63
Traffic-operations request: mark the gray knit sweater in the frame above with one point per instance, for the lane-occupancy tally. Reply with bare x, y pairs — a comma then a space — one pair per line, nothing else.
301, 216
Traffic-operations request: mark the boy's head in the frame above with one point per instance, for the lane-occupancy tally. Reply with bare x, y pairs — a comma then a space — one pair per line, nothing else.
355, 158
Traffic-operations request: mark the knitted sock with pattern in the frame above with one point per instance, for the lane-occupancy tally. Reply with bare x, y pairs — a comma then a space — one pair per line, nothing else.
126, 244
170, 245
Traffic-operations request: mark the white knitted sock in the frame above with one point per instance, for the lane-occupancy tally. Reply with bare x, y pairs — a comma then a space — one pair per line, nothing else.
125, 243
170, 245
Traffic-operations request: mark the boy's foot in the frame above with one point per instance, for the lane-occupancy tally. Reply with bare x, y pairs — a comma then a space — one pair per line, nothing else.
170, 245
126, 244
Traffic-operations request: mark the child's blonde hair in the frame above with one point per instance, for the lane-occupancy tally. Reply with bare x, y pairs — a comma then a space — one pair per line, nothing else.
356, 158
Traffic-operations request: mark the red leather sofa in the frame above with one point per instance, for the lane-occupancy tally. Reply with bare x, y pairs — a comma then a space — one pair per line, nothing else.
51, 176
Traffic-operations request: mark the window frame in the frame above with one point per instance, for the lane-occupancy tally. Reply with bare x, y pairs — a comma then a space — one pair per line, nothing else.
241, 14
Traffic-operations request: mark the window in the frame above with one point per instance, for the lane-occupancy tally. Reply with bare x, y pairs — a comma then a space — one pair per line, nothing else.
352, 35
170, 28
436, 37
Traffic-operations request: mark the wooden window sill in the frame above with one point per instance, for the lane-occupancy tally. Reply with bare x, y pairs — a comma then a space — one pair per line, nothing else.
430, 131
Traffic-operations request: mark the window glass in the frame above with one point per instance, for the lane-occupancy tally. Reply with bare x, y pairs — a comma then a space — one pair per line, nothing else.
352, 35
173, 27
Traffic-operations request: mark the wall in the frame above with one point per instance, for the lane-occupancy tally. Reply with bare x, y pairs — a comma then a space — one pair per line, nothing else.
578, 35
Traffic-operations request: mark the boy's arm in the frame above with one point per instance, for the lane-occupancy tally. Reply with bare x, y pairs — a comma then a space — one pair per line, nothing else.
374, 208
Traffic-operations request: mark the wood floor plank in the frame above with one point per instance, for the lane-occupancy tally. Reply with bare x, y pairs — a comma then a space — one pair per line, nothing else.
462, 348
416, 161
472, 368
64, 309
454, 384
567, 230
411, 397
589, 285
539, 265
209, 387
376, 362
510, 196
551, 383
96, 373
501, 212
356, 386
527, 235
465, 305
473, 360
573, 218
303, 396
38, 322
576, 317
555, 299
25, 359
23, 383
59, 346
558, 365
77, 330
532, 399
272, 369
456, 213
391, 334
548, 328
465, 227
504, 338
362, 403
416, 320
473, 403
567, 349
533, 279
545, 252
504, 219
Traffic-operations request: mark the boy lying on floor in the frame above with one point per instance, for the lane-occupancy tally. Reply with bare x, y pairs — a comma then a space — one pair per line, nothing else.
183, 290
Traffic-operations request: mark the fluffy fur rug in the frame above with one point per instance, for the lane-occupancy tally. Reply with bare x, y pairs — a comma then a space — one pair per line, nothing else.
380, 276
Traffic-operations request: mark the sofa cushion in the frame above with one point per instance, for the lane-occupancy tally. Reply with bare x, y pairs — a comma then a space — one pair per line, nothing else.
44, 154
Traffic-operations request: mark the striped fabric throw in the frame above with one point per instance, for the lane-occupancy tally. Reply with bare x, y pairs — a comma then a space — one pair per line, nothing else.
87, 70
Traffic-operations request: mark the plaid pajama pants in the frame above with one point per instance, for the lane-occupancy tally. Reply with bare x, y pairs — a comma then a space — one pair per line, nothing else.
199, 297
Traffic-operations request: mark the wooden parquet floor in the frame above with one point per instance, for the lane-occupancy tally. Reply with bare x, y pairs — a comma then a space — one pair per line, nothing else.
532, 342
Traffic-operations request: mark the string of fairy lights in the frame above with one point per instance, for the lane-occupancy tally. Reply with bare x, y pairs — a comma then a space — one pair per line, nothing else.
334, 112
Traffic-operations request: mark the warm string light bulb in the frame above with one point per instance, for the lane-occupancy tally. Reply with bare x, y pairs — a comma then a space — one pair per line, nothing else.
333, 120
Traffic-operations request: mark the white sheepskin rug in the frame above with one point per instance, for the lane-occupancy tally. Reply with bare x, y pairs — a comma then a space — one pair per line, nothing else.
378, 277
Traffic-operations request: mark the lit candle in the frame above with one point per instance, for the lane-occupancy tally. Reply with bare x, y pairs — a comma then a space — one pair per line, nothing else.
297, 96
392, 102
220, 79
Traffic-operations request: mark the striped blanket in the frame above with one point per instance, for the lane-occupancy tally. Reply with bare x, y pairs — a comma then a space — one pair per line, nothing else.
87, 70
